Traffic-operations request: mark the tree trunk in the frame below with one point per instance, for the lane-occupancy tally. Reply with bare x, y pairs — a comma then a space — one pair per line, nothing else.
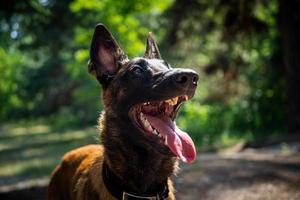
289, 20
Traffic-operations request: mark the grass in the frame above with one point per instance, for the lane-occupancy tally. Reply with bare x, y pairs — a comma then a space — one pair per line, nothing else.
29, 151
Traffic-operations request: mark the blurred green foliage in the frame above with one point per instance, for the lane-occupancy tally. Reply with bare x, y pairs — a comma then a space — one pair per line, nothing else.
242, 88
23, 159
44, 49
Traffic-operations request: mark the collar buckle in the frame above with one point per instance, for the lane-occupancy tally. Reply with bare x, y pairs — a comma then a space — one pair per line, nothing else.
128, 196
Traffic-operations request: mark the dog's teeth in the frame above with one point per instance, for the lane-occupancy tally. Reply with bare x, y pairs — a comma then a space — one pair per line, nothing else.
157, 133
146, 123
175, 100
165, 142
149, 128
169, 101
172, 101
185, 97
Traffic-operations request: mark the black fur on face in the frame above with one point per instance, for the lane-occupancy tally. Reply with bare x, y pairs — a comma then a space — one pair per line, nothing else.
143, 80
130, 85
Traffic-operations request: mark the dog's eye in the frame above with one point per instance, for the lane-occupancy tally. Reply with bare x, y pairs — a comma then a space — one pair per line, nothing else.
137, 70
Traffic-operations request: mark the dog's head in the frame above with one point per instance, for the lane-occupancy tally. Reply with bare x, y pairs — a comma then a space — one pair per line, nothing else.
146, 91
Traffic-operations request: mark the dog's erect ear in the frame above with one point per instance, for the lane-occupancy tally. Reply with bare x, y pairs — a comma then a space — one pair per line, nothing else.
152, 50
106, 56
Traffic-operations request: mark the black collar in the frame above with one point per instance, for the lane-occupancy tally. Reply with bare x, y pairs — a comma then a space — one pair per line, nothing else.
119, 190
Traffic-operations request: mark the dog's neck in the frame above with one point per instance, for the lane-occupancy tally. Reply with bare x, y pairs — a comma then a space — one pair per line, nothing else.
141, 167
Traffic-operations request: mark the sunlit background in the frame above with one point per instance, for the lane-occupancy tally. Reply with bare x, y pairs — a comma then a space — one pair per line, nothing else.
49, 103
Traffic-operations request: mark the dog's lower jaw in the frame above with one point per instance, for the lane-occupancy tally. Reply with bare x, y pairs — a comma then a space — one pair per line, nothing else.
142, 167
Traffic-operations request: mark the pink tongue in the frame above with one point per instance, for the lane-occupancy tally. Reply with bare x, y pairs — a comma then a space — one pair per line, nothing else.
178, 141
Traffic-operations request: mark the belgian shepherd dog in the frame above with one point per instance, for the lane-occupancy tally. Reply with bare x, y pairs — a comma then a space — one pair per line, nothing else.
140, 142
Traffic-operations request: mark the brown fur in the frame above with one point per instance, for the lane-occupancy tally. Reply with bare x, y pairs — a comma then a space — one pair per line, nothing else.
145, 166
79, 175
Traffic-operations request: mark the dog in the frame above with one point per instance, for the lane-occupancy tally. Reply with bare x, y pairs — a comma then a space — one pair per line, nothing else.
141, 144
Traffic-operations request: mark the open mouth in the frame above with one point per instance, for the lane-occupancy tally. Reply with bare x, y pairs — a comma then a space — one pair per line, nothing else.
156, 119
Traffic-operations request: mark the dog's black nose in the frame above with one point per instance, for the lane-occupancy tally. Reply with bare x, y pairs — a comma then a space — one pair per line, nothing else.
186, 78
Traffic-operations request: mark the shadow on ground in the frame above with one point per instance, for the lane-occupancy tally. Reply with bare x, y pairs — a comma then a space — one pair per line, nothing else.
252, 174
29, 154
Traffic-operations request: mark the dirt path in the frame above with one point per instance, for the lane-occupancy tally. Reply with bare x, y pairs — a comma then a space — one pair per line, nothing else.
262, 174
271, 173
